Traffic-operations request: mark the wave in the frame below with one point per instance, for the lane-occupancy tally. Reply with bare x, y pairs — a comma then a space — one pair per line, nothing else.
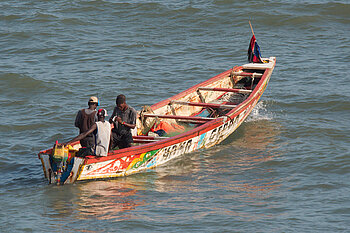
318, 106
336, 9
13, 82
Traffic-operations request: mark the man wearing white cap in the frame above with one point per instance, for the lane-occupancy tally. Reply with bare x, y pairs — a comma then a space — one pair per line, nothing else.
85, 119
102, 131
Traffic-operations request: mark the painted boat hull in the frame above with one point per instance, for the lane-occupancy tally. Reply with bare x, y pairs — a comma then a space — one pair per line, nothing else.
139, 158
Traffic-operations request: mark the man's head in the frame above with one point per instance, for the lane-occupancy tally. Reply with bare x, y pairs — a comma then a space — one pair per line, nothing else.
93, 102
121, 102
101, 114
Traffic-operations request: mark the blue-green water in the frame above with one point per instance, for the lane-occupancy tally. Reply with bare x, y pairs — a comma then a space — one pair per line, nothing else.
286, 169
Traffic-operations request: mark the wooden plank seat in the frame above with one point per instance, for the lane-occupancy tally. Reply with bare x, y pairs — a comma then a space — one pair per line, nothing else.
211, 105
145, 137
246, 74
191, 118
259, 66
224, 89
144, 140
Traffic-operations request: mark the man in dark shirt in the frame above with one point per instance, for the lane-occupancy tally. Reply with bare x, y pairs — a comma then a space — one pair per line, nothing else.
85, 119
124, 119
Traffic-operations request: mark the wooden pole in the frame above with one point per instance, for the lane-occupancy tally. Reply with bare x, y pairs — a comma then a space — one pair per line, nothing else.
224, 89
211, 105
144, 137
251, 27
180, 117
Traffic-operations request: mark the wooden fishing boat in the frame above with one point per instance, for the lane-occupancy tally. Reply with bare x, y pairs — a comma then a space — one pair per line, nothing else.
202, 116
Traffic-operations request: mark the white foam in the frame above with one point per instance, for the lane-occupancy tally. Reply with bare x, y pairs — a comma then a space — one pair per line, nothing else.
259, 112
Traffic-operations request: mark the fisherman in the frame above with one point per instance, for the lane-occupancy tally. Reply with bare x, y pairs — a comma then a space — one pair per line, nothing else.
124, 119
102, 131
84, 119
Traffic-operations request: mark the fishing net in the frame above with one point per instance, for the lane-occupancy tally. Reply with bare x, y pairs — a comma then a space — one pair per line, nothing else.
147, 122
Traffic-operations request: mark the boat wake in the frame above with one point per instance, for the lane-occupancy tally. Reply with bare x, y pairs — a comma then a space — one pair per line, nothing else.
259, 113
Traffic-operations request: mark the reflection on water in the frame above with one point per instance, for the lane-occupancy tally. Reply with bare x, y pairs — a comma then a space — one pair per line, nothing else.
107, 199
240, 171
247, 149
256, 135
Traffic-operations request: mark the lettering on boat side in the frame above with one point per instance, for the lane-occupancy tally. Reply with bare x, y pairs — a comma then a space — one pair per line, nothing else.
218, 134
170, 152
177, 149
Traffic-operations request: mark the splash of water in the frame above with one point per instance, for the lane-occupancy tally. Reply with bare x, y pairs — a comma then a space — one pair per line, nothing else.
260, 112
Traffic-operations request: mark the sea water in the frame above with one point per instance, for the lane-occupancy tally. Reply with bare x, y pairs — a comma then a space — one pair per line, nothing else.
286, 169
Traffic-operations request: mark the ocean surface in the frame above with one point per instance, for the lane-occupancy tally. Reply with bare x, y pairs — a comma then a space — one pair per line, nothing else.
286, 169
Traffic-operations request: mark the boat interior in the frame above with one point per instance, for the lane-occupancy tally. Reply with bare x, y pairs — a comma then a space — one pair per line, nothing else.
197, 105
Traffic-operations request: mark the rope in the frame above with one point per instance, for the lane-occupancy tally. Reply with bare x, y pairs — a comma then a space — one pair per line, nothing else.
253, 77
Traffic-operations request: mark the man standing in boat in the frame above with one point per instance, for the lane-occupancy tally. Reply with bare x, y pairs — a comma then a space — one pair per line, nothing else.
102, 131
124, 119
84, 119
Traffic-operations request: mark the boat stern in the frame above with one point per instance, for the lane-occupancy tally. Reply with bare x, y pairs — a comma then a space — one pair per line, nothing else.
60, 172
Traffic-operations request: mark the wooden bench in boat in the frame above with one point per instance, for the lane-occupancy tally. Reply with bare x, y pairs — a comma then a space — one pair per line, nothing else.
147, 139
211, 105
224, 89
193, 118
259, 66
246, 74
